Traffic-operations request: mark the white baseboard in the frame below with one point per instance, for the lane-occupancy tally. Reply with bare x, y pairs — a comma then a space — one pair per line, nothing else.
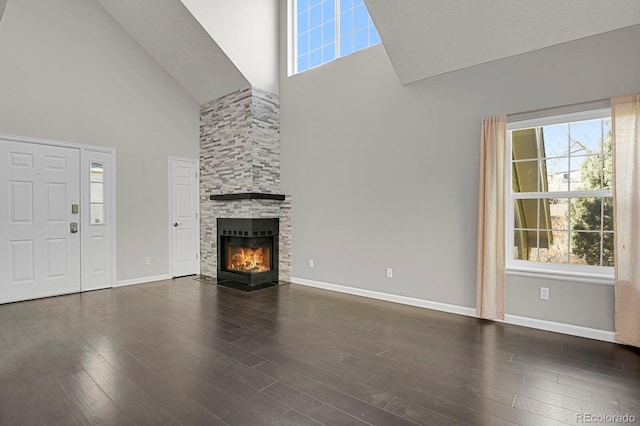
574, 330
421, 303
142, 280
559, 327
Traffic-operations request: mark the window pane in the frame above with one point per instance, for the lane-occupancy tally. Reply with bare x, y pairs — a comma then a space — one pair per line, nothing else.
607, 177
554, 247
576, 178
607, 206
524, 144
586, 174
96, 171
586, 214
519, 249
315, 16
328, 9
526, 214
360, 17
558, 175
329, 52
346, 45
346, 23
303, 22
556, 140
586, 137
345, 5
607, 249
314, 2
315, 38
315, 58
585, 248
525, 176
97, 192
303, 5
97, 214
329, 32
360, 40
559, 211
303, 44
303, 62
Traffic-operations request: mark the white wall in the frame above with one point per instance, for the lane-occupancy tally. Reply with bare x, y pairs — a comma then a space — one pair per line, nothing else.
384, 175
70, 73
480, 31
247, 31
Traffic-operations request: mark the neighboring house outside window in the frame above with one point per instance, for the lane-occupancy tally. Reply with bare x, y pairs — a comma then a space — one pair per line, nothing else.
560, 202
328, 29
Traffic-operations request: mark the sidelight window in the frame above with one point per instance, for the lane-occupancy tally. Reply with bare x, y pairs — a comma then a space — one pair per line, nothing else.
96, 182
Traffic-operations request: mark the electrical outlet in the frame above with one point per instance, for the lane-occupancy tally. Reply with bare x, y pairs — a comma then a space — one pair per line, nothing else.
389, 273
310, 263
147, 260
544, 293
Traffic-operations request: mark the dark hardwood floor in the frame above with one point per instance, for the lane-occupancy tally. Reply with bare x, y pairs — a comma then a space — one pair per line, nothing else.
187, 353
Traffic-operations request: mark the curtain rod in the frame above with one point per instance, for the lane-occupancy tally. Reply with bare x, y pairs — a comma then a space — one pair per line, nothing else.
565, 109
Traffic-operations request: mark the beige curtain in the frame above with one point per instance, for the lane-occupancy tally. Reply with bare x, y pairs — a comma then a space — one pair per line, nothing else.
491, 219
625, 113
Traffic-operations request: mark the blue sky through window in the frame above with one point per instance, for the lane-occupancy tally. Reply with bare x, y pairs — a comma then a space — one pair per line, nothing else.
576, 140
327, 29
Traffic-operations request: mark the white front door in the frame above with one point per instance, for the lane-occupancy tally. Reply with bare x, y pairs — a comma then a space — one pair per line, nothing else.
184, 218
39, 221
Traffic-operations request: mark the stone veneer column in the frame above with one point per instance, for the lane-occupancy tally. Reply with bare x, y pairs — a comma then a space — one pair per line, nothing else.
240, 152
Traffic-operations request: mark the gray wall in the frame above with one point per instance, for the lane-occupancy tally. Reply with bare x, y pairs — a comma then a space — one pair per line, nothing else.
385, 175
70, 73
587, 305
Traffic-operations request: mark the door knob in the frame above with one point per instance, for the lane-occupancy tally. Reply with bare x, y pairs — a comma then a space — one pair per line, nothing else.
176, 224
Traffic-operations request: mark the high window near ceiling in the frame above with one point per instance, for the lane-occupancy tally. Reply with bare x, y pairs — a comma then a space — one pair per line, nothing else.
560, 214
324, 30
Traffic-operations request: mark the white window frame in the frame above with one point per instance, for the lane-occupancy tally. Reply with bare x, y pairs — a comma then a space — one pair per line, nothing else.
292, 28
558, 271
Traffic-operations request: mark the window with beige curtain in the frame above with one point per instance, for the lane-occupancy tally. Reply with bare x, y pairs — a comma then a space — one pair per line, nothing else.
560, 203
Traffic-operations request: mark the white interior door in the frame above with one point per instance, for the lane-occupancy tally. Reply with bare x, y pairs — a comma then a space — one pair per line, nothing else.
185, 239
39, 247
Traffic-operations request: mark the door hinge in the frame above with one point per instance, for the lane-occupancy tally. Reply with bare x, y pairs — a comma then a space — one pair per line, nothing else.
196, 215
196, 255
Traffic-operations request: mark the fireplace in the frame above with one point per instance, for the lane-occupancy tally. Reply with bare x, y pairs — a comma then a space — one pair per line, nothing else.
239, 187
247, 252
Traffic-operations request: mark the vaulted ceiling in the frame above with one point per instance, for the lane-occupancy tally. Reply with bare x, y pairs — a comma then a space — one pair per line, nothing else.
177, 41
214, 47
425, 38
3, 4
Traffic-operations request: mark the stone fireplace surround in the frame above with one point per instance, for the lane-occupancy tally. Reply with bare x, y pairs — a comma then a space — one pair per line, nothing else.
239, 164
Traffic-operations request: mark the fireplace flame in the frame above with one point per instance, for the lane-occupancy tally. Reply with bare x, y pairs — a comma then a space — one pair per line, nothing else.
246, 259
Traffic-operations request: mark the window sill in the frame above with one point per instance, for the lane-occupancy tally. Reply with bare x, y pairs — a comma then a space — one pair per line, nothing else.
597, 279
